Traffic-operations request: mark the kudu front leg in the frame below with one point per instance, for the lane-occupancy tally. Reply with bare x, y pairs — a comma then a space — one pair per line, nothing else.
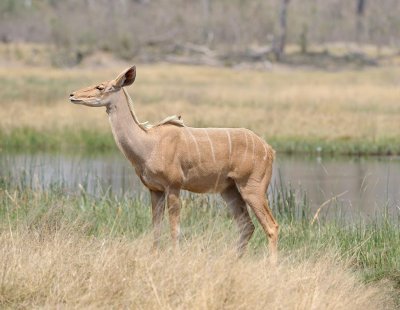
157, 207
174, 208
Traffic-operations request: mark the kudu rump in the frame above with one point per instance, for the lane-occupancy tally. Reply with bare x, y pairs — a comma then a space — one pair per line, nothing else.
170, 157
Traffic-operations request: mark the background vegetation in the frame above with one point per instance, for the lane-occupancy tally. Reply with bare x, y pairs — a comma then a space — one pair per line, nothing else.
311, 76
347, 112
206, 31
327, 79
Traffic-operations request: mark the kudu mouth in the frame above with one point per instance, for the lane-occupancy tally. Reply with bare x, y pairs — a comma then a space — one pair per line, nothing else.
74, 100
88, 102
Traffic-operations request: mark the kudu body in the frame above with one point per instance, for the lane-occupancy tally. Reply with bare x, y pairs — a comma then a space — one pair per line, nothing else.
170, 157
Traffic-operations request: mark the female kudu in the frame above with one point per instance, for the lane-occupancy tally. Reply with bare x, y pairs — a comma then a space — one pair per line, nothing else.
170, 157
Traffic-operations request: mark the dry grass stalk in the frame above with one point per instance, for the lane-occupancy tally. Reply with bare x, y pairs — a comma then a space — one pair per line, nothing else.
334, 198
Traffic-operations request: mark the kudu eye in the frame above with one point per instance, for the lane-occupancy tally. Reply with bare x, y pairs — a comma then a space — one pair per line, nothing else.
100, 87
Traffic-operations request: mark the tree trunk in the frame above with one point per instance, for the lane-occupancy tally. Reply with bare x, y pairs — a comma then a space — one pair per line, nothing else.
207, 31
360, 10
281, 39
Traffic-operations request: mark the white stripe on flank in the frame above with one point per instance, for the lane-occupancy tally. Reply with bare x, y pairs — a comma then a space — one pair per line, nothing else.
247, 146
211, 145
183, 176
266, 152
186, 143
217, 181
230, 143
265, 147
252, 140
195, 142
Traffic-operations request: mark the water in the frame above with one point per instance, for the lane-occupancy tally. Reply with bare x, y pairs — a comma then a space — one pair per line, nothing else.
363, 186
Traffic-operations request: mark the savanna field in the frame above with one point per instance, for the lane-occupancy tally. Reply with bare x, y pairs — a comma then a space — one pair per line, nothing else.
73, 249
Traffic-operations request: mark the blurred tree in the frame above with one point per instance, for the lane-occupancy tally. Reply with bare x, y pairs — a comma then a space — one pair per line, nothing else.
207, 30
303, 39
360, 10
280, 41
361, 7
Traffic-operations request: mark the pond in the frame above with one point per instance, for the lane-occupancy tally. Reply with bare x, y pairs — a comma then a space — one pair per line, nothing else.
363, 186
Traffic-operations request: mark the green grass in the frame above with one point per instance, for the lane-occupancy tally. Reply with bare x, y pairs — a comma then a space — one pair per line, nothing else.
372, 247
338, 146
26, 138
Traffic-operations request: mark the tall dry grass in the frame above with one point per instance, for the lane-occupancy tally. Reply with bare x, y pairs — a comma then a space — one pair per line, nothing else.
48, 267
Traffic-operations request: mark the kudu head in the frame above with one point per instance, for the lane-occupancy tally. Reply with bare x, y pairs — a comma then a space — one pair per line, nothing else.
102, 94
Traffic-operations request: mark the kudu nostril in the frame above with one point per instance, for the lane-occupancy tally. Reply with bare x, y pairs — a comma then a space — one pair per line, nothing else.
71, 95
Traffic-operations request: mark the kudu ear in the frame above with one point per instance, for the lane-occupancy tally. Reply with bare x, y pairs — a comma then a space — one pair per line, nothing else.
127, 77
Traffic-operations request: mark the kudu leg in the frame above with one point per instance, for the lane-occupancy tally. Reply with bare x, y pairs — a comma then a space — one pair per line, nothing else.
158, 207
174, 208
238, 207
259, 204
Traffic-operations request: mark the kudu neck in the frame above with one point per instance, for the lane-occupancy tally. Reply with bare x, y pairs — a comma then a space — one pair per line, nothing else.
131, 138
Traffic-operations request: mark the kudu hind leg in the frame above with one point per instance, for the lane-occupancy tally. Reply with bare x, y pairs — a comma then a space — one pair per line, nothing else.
259, 204
241, 215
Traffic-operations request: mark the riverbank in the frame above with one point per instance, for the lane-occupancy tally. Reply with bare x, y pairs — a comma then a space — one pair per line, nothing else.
90, 140
306, 111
